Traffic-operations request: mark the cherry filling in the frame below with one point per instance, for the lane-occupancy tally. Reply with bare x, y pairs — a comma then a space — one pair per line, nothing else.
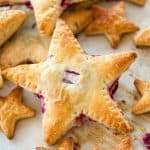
41, 97
113, 88
72, 72
65, 4
146, 140
79, 120
28, 5
70, 77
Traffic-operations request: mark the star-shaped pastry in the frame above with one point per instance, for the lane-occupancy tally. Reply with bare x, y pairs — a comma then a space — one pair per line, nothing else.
110, 22
11, 20
143, 38
67, 144
73, 83
143, 106
12, 110
138, 2
11, 2
126, 144
48, 11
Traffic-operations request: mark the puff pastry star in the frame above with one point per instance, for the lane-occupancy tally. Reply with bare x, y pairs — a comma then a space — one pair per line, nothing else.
138, 2
67, 144
143, 106
12, 110
126, 144
48, 11
66, 80
143, 38
11, 20
110, 22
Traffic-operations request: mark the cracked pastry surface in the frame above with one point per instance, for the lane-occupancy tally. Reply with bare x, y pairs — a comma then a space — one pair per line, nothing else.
111, 22
143, 106
66, 80
11, 20
48, 11
11, 110
143, 38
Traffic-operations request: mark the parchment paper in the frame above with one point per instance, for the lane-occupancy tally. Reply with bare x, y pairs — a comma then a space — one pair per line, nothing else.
28, 134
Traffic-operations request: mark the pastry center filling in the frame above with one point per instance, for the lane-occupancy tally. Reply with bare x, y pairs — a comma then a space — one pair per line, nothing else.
81, 118
41, 98
113, 88
146, 140
28, 5
71, 77
65, 4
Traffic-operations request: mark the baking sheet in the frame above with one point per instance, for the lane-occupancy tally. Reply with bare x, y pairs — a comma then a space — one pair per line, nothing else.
28, 134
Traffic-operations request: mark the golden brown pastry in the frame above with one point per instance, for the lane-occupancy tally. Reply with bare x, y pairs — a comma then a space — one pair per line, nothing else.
1, 80
12, 110
48, 11
110, 22
67, 144
27, 46
66, 80
85, 4
11, 20
143, 106
143, 38
126, 144
138, 2
77, 20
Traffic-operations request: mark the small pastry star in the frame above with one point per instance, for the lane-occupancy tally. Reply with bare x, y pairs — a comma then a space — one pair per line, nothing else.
126, 144
143, 106
12, 110
110, 22
73, 83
